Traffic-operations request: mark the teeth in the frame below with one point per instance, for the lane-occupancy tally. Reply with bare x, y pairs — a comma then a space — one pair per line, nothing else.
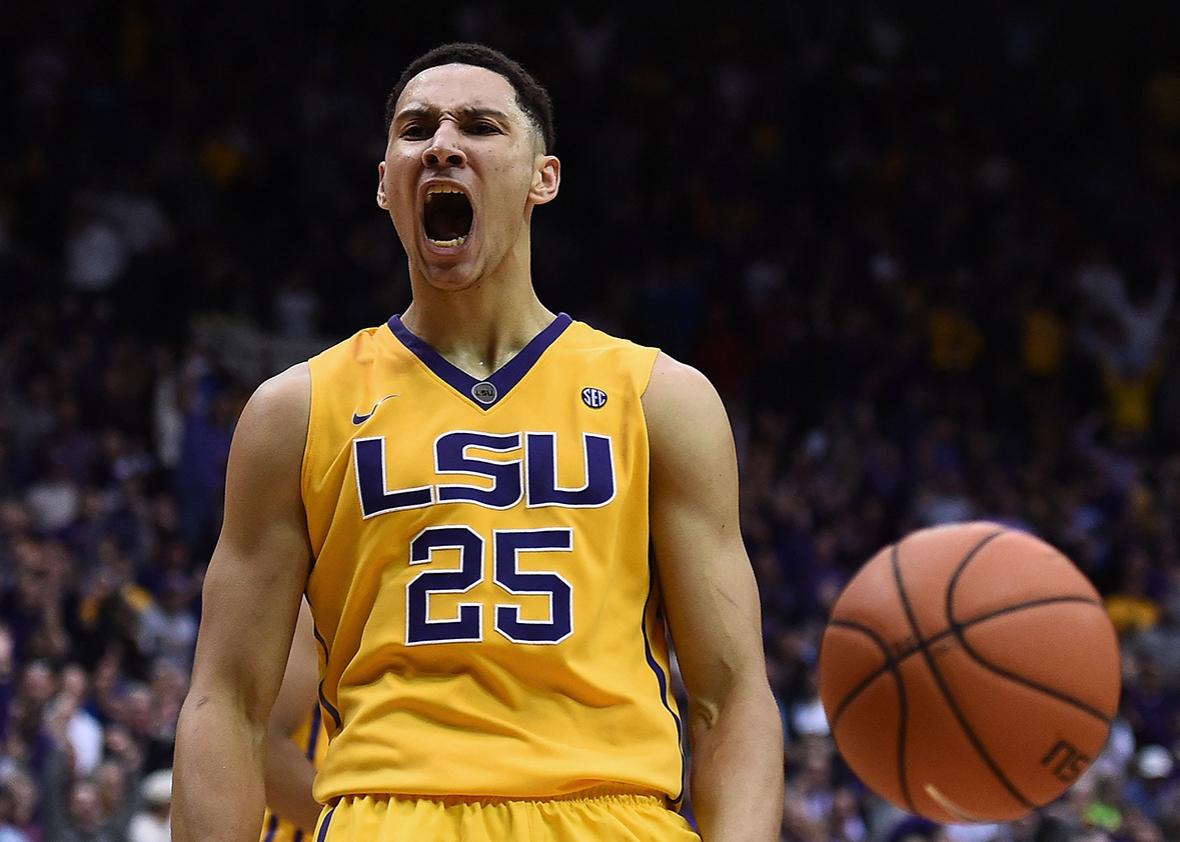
458, 241
441, 188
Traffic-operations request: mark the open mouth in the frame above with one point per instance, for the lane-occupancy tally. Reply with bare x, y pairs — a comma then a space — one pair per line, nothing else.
447, 216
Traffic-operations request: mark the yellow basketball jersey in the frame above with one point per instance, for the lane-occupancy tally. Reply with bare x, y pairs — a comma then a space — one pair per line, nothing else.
483, 598
311, 737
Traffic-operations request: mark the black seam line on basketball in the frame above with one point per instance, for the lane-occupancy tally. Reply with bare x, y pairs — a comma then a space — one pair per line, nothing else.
906, 654
957, 630
903, 709
947, 696
890, 665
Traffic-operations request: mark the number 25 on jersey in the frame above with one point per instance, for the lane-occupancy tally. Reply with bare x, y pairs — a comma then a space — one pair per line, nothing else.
532, 478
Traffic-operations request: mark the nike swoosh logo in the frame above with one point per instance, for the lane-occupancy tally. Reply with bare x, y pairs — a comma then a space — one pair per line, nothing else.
361, 419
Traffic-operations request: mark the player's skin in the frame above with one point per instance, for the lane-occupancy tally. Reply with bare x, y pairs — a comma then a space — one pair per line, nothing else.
289, 772
476, 306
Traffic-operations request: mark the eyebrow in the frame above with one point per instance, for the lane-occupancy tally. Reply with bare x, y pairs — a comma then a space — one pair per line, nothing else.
469, 112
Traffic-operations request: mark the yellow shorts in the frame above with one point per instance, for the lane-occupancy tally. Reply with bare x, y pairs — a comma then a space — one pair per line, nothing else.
606, 818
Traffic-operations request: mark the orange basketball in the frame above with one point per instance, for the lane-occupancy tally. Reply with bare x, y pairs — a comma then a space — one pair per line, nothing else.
969, 673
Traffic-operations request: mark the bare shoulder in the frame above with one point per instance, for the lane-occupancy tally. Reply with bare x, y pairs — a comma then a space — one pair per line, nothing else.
680, 400
272, 431
280, 407
287, 393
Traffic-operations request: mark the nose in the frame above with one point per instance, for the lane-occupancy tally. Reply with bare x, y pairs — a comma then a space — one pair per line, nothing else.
444, 149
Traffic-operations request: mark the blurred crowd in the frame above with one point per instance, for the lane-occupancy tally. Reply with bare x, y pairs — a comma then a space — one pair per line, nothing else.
930, 261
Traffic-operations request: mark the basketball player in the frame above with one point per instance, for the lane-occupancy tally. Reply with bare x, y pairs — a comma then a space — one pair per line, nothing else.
468, 494
296, 743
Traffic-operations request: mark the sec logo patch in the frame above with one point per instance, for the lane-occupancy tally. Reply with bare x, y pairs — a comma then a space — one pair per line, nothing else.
594, 398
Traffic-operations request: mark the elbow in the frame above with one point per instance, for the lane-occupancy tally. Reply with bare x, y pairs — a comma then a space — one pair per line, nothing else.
224, 698
703, 714
204, 705
741, 696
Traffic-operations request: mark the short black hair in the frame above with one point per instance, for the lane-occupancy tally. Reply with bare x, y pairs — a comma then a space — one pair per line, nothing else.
532, 98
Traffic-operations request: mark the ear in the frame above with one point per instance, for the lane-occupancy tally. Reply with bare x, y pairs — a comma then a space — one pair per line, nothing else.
382, 201
546, 180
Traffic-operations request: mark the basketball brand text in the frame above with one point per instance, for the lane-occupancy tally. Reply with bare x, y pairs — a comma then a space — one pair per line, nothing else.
1065, 761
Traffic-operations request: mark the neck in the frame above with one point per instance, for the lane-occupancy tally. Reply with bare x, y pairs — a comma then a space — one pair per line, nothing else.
480, 327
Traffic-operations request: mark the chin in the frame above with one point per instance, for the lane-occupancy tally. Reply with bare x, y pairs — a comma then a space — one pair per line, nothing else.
451, 278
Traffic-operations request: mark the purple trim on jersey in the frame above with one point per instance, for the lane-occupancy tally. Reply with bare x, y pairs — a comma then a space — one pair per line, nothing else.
323, 834
335, 714
316, 721
504, 378
271, 827
662, 681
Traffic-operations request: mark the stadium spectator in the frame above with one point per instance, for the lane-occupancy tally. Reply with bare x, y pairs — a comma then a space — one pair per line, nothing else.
929, 263
151, 823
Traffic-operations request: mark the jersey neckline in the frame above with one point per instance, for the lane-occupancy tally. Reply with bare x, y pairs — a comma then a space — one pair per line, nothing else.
488, 392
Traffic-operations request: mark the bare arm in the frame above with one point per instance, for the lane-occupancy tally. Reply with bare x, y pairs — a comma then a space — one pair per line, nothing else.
289, 771
251, 599
711, 601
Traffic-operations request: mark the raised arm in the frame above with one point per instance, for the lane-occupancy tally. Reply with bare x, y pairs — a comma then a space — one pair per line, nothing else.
289, 771
251, 600
711, 601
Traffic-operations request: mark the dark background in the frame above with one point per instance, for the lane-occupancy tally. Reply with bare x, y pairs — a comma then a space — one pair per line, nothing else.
927, 254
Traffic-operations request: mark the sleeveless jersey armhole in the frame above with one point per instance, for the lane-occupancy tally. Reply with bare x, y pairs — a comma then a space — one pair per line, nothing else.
305, 462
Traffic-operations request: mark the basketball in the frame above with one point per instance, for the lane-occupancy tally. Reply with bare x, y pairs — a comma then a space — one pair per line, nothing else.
969, 673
